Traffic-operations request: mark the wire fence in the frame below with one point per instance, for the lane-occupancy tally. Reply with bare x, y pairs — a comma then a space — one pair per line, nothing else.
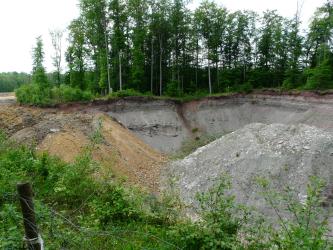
86, 238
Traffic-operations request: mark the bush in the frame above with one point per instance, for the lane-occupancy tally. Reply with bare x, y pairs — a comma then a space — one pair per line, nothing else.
77, 210
308, 225
66, 93
173, 89
320, 77
125, 93
245, 88
189, 146
33, 94
220, 223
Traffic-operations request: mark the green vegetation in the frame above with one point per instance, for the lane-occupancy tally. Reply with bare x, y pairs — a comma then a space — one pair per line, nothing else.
33, 94
165, 49
78, 210
40, 92
10, 81
191, 145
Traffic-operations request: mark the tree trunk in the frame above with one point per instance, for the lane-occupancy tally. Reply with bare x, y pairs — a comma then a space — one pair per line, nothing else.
161, 73
209, 78
120, 73
197, 64
217, 74
107, 57
152, 66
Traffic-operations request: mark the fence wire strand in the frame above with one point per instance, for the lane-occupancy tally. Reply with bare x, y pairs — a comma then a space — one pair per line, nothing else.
91, 232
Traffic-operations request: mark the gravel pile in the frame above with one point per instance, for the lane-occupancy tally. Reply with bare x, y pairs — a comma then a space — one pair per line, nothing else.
287, 155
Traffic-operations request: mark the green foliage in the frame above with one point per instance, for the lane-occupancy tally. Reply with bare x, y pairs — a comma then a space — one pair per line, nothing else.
320, 77
126, 93
12, 80
173, 89
245, 88
77, 210
74, 209
75, 54
38, 71
33, 94
307, 228
220, 223
191, 145
66, 93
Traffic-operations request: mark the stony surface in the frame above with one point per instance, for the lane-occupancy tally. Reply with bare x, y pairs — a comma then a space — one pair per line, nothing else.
284, 154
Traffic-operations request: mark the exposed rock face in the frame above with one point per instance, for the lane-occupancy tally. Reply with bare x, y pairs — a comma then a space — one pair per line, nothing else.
165, 125
287, 155
158, 122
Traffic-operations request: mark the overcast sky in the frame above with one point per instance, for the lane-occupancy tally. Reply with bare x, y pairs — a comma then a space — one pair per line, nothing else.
21, 21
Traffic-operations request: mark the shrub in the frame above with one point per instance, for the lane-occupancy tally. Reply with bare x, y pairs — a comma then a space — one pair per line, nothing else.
308, 225
173, 89
125, 93
189, 146
220, 222
33, 94
66, 93
245, 88
320, 77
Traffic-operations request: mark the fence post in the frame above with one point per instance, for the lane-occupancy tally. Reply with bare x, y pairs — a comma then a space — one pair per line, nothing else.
32, 238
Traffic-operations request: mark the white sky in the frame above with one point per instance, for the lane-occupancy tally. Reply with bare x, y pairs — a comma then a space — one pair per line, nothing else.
21, 21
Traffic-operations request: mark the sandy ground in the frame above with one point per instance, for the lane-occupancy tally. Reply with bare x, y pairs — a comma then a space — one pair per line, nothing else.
7, 98
66, 135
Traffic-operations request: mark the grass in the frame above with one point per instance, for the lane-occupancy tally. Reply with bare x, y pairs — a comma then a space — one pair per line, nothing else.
191, 145
76, 211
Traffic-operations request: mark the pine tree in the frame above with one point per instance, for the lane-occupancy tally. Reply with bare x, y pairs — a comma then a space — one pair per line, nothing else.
38, 71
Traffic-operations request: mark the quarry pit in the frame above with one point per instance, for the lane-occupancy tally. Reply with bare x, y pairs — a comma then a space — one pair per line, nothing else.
166, 124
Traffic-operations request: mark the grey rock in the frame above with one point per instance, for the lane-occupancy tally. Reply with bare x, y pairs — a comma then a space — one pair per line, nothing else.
256, 151
165, 125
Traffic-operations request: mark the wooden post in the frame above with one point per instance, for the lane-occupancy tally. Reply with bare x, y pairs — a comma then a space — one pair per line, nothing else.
32, 237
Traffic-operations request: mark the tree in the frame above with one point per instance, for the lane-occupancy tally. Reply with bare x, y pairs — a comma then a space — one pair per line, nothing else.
294, 43
320, 45
117, 9
56, 38
138, 14
162, 47
95, 21
159, 25
76, 52
179, 30
38, 70
207, 19
272, 50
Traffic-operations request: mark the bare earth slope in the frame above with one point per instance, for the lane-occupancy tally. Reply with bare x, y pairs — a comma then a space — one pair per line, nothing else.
67, 134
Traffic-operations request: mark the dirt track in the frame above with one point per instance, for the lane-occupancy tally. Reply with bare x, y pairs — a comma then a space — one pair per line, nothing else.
6, 98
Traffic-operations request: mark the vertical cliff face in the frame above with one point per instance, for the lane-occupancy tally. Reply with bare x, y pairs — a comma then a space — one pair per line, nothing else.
165, 125
159, 123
